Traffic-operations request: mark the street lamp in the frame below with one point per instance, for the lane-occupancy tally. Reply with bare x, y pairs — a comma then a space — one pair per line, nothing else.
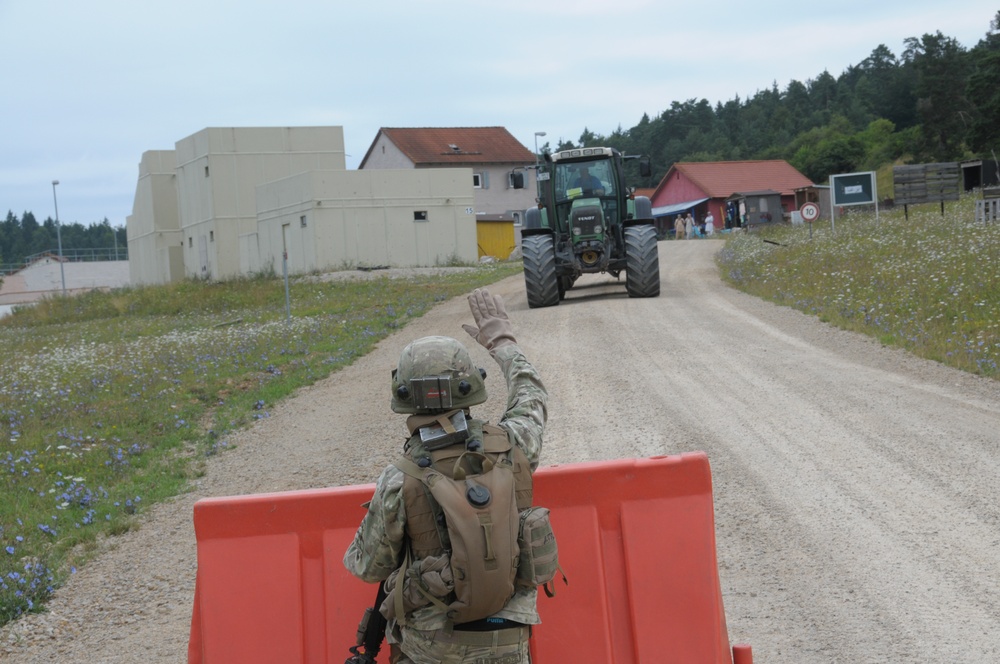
62, 270
537, 134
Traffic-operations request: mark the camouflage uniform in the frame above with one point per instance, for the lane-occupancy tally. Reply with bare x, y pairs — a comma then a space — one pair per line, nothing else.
377, 549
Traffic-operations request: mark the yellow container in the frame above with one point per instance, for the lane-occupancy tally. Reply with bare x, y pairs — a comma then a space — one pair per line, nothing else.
495, 238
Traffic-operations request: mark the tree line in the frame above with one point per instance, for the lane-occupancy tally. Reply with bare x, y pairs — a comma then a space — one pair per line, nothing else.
21, 237
935, 101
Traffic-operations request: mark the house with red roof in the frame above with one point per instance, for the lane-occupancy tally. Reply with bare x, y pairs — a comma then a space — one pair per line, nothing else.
735, 192
492, 154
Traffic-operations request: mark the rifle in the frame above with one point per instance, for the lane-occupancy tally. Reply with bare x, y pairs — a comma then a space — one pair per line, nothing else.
371, 631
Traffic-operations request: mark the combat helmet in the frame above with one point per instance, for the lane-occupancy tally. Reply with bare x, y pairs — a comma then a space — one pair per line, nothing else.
436, 374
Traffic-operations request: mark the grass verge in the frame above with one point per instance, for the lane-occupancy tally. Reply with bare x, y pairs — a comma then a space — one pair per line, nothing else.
110, 402
927, 283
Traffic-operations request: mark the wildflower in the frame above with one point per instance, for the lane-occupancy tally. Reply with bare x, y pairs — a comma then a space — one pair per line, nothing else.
10, 550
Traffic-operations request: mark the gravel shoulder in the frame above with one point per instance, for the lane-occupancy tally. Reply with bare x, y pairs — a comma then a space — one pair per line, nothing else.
856, 493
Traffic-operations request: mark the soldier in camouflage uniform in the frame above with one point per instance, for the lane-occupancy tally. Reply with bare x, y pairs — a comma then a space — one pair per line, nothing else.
426, 635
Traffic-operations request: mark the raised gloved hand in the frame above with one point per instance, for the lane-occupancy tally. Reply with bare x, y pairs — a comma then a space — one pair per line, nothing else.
493, 328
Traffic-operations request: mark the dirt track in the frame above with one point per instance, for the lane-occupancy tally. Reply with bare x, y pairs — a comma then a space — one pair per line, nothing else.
856, 488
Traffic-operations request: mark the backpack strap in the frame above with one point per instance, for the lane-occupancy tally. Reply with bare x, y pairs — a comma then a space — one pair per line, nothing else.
397, 592
410, 468
495, 438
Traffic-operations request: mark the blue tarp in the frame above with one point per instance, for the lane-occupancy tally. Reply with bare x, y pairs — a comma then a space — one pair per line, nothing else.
667, 210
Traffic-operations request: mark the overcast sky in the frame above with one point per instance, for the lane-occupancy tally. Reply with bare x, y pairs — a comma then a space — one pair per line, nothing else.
88, 86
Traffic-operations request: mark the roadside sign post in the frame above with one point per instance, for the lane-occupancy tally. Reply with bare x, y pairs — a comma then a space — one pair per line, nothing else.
852, 189
810, 213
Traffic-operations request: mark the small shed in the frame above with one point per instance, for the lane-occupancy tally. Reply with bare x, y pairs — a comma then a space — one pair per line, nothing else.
980, 174
818, 194
757, 207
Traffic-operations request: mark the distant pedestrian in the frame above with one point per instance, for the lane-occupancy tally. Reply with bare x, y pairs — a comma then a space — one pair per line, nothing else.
679, 227
689, 226
709, 224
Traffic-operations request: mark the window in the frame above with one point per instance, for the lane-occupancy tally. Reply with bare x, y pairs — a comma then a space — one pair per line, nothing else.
302, 221
206, 171
572, 181
420, 215
211, 236
477, 180
190, 242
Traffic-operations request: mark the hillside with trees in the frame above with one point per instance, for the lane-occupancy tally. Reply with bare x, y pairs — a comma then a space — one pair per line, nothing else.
935, 101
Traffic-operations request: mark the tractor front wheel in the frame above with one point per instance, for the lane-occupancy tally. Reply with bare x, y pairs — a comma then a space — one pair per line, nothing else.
540, 279
642, 262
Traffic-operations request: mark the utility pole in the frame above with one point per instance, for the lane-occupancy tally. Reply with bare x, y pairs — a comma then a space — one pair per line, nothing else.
62, 270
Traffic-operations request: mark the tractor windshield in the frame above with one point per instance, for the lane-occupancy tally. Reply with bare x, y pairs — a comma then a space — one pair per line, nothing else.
584, 178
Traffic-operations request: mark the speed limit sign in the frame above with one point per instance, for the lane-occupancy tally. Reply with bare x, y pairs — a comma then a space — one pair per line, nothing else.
809, 212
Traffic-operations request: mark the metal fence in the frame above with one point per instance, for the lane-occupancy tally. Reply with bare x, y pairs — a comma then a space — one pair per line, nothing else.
988, 209
70, 256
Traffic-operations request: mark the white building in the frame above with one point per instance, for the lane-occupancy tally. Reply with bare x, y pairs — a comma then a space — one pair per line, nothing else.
492, 153
155, 240
328, 220
218, 170
229, 202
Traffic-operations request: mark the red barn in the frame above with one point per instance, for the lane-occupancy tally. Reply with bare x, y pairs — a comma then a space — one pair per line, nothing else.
709, 186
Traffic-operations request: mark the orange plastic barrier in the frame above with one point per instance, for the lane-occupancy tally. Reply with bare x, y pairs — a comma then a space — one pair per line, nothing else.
636, 540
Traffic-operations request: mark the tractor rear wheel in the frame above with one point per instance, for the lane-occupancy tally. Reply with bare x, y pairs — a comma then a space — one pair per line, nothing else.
532, 218
642, 262
540, 279
643, 208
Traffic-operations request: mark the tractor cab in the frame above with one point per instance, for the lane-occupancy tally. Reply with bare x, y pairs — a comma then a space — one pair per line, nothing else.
586, 203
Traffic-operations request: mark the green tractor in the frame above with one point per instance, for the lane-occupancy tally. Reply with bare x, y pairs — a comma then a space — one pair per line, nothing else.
587, 221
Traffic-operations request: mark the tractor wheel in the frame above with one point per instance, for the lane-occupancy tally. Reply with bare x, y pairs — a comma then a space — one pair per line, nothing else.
540, 279
643, 208
642, 262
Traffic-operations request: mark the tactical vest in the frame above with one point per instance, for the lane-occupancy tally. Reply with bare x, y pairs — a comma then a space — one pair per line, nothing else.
465, 503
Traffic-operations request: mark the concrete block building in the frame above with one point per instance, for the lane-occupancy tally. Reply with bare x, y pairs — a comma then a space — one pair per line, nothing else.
218, 170
230, 202
155, 240
328, 220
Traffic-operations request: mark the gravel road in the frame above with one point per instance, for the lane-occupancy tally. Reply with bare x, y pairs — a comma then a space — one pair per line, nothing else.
857, 488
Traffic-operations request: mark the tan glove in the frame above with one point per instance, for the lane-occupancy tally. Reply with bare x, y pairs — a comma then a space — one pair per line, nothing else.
493, 328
